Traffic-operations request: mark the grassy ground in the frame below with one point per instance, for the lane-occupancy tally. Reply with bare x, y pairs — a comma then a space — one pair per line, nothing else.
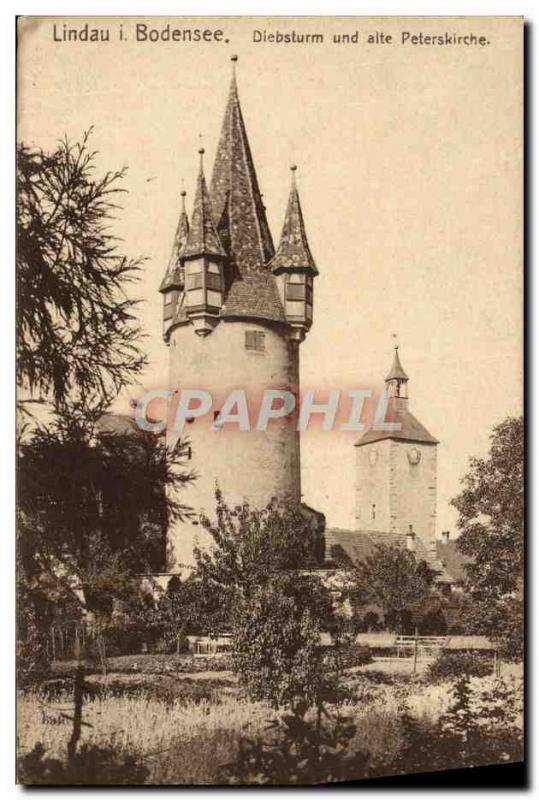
183, 728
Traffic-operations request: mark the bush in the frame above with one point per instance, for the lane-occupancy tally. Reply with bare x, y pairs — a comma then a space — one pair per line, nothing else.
91, 765
168, 691
277, 651
301, 748
350, 655
457, 664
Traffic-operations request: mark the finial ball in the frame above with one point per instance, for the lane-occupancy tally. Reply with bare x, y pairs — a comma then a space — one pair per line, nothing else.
233, 58
183, 193
201, 151
293, 167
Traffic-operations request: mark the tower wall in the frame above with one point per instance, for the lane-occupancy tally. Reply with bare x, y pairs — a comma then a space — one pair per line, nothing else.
373, 470
403, 492
247, 465
413, 489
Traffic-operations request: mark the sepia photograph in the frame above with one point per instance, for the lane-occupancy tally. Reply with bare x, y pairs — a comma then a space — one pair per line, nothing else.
270, 432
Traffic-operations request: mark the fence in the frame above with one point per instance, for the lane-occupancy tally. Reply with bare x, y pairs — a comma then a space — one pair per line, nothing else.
421, 647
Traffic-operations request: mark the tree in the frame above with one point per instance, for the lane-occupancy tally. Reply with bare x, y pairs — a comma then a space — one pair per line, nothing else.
491, 522
93, 511
260, 569
393, 579
277, 649
77, 336
250, 545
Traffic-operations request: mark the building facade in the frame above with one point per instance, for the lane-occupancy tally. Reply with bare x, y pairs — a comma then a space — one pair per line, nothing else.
396, 469
235, 312
396, 490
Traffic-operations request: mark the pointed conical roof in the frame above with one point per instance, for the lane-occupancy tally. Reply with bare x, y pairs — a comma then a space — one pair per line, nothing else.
240, 217
293, 251
173, 278
396, 372
202, 238
236, 199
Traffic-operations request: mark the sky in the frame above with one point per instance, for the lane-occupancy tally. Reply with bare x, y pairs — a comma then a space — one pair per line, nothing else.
410, 177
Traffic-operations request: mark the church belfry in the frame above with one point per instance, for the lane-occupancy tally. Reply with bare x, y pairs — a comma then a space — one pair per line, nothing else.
235, 313
396, 469
397, 379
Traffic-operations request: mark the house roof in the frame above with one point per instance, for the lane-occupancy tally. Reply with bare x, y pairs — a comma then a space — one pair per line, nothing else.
116, 423
452, 558
358, 545
293, 251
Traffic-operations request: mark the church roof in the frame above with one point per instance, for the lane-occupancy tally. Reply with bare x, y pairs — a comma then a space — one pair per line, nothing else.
173, 278
396, 371
202, 238
411, 429
358, 545
293, 251
240, 218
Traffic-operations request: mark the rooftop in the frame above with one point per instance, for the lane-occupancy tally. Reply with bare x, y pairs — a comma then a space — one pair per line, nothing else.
358, 545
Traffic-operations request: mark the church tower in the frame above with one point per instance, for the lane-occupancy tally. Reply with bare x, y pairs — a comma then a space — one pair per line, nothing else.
235, 312
396, 470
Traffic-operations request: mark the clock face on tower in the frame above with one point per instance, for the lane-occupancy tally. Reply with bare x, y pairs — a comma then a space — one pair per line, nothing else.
373, 457
414, 456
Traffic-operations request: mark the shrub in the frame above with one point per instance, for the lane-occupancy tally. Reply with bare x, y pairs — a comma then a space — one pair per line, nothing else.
371, 622
433, 623
91, 765
474, 731
350, 655
298, 749
457, 664
277, 651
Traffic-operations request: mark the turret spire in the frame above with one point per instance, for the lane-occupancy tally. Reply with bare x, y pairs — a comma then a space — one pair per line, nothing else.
397, 379
293, 252
396, 372
173, 278
202, 238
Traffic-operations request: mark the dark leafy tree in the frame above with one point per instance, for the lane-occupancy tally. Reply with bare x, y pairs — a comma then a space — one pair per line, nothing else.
491, 521
392, 579
260, 569
250, 545
77, 336
93, 512
277, 649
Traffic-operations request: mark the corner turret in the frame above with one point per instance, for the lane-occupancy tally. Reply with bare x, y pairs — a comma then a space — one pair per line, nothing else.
294, 266
202, 258
173, 282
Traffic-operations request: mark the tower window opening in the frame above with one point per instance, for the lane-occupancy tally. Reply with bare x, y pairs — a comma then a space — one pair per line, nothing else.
213, 281
195, 281
255, 341
374, 510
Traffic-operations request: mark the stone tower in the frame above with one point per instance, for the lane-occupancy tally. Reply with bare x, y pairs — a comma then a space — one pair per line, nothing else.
234, 314
396, 469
